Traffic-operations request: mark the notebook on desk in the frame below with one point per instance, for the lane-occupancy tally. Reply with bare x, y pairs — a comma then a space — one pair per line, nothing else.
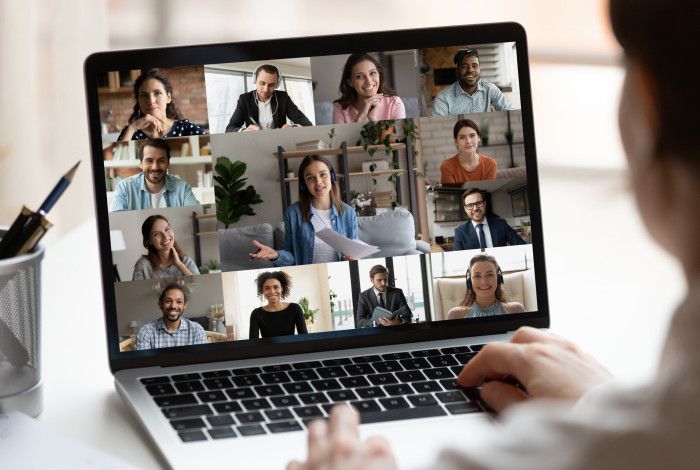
230, 324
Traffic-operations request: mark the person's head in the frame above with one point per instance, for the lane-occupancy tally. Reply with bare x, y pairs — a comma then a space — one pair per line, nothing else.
379, 275
317, 180
468, 70
158, 238
474, 203
657, 117
484, 281
363, 77
274, 285
267, 79
467, 136
172, 302
154, 159
153, 93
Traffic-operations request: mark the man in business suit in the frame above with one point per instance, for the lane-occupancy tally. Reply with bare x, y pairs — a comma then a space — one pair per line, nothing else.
381, 294
265, 107
481, 231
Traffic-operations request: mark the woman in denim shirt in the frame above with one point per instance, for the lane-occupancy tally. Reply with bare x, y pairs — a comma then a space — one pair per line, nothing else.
319, 207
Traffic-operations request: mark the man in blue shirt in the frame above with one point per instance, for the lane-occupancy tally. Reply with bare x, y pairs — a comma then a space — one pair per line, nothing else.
469, 94
153, 187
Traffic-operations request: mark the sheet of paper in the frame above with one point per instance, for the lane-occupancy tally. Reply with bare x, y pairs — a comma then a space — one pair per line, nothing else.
342, 244
26, 443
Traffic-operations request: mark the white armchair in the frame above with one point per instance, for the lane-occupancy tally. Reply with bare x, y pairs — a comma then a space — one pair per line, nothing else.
449, 292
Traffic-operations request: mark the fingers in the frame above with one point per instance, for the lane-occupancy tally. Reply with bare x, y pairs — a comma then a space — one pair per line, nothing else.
500, 395
319, 445
527, 334
494, 361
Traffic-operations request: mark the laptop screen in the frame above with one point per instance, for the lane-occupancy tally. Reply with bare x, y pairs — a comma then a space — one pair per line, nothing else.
255, 202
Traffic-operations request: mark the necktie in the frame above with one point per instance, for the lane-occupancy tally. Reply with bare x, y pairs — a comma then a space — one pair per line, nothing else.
381, 300
482, 237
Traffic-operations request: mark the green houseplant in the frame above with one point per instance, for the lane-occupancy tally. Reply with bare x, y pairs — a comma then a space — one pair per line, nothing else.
309, 314
233, 198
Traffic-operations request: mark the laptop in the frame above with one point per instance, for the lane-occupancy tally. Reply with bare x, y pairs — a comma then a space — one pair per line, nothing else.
230, 323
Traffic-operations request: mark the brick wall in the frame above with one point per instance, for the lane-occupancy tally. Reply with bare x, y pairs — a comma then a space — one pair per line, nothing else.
188, 92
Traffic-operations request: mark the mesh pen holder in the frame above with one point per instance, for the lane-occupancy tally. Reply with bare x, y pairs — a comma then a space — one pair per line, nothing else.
20, 321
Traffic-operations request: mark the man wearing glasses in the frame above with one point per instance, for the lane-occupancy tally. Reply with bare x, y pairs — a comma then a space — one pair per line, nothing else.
482, 232
469, 94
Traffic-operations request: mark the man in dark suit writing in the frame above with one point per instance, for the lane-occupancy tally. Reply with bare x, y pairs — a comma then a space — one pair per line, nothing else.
381, 294
265, 107
481, 231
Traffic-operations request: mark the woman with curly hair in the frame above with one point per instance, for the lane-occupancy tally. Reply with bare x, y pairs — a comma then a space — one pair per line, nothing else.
277, 318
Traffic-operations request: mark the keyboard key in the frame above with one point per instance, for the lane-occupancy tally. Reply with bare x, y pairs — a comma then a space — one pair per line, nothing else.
186, 424
155, 380
191, 386
285, 401
331, 372
354, 382
342, 395
221, 420
428, 386
297, 387
415, 363
250, 417
256, 404
277, 368
370, 392
239, 393
439, 373
213, 374
366, 359
228, 407
192, 436
404, 413
359, 369
247, 380
247, 371
477, 347
187, 411
306, 365
443, 361
366, 406
275, 378
456, 370
451, 397
341, 361
284, 426
449, 384
387, 366
455, 350
394, 403
160, 389
396, 356
251, 430
382, 379
327, 384
399, 389
426, 353
214, 395
313, 398
222, 433
165, 401
305, 412
269, 390
218, 384
410, 376
279, 415
423, 400
186, 377
463, 407
306, 374
328, 407
463, 358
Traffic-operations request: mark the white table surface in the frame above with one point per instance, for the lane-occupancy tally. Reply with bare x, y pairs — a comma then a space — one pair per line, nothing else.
603, 274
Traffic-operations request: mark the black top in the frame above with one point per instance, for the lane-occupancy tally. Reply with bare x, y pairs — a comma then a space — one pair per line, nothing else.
265, 324
283, 107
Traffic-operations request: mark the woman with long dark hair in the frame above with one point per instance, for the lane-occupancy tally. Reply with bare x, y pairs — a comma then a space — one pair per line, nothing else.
155, 113
165, 258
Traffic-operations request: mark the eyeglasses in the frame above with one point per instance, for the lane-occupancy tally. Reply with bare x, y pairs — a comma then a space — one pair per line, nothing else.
472, 205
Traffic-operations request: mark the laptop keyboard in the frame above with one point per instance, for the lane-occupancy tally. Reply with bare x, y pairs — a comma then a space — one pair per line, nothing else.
251, 401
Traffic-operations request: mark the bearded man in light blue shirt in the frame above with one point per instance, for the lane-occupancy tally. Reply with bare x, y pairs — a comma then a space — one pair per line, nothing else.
470, 93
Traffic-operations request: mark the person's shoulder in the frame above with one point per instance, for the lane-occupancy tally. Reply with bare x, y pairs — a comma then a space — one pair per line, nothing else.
486, 160
281, 94
450, 162
447, 90
142, 261
193, 324
130, 180
393, 99
463, 227
150, 327
457, 313
487, 85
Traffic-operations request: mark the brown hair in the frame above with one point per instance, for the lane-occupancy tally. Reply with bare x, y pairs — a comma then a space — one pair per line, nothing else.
348, 95
171, 110
152, 254
465, 123
471, 295
305, 195
155, 143
378, 269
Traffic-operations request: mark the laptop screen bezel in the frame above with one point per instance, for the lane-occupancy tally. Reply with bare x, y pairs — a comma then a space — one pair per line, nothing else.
308, 47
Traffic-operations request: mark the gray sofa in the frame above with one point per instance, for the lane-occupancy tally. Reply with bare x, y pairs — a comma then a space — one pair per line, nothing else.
393, 232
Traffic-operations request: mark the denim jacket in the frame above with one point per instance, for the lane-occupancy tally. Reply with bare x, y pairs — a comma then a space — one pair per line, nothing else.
299, 236
132, 194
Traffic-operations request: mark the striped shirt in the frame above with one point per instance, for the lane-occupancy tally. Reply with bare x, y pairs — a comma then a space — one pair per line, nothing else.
154, 335
454, 100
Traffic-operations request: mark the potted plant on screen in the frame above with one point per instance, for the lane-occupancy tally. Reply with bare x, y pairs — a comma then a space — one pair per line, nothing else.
233, 198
